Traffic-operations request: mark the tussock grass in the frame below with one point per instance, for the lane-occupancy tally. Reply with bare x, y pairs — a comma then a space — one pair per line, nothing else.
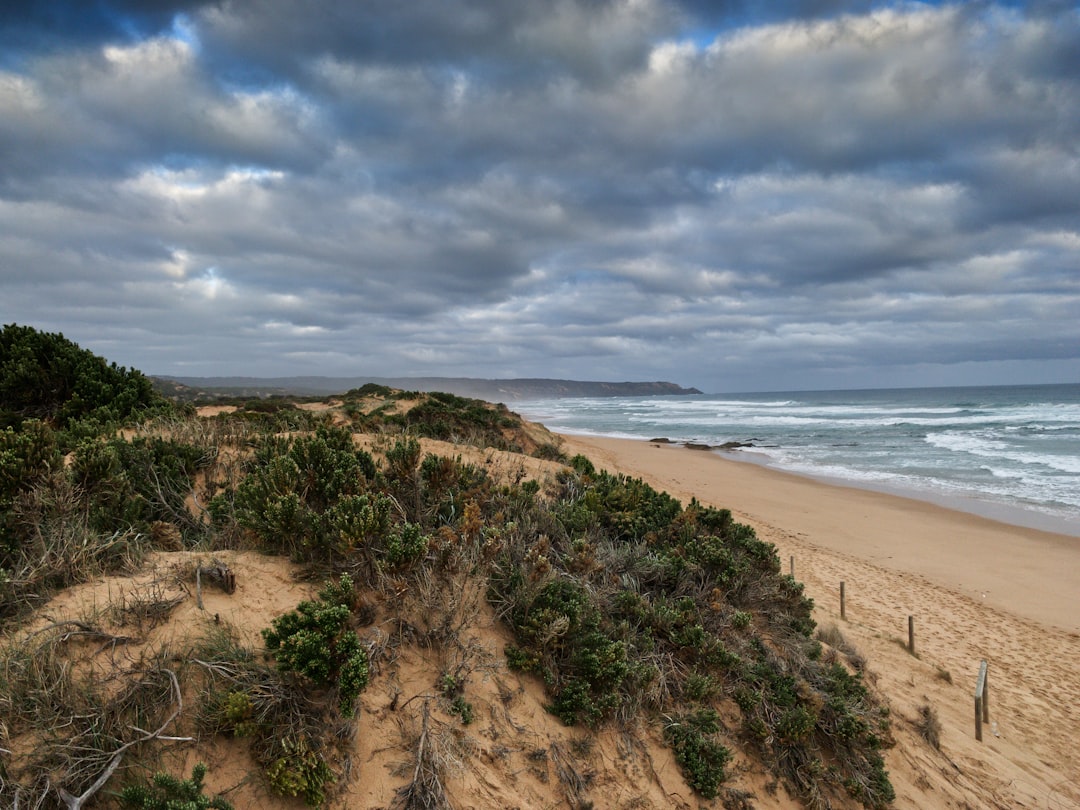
929, 726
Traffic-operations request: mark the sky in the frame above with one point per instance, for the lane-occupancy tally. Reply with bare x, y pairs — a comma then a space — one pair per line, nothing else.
730, 195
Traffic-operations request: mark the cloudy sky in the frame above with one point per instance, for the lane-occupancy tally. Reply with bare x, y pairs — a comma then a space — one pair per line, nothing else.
823, 194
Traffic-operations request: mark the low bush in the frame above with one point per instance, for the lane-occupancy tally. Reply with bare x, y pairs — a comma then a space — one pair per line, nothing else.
316, 642
168, 792
701, 757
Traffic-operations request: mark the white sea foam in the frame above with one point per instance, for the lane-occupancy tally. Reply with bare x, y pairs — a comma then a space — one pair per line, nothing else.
1012, 445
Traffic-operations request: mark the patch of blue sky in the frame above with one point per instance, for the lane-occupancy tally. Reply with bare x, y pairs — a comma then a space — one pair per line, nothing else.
184, 30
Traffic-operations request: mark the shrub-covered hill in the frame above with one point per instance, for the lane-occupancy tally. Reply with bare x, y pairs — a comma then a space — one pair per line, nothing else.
47, 377
481, 626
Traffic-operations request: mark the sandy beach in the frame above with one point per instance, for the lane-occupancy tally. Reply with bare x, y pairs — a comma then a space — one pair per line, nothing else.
976, 589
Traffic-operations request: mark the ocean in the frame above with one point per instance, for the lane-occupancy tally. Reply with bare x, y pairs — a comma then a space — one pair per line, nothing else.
1007, 452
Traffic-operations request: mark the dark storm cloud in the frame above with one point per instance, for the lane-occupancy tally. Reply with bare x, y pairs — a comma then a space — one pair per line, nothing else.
816, 193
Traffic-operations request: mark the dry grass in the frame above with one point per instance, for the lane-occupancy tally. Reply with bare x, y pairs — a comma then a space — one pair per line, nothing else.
929, 726
72, 717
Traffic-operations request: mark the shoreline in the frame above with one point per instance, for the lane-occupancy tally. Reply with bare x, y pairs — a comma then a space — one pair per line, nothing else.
997, 511
1012, 514
1028, 572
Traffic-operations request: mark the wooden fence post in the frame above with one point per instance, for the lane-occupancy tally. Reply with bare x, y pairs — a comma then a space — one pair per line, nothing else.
911, 634
793, 566
843, 611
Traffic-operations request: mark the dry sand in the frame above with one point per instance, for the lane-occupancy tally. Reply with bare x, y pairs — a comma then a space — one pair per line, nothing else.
977, 589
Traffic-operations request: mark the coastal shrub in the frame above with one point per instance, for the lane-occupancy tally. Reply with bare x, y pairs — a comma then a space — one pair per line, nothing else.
27, 456
50, 542
316, 642
368, 390
132, 484
168, 792
448, 484
626, 508
701, 757
300, 771
626, 574
452, 418
561, 637
550, 451
453, 689
307, 497
293, 733
47, 377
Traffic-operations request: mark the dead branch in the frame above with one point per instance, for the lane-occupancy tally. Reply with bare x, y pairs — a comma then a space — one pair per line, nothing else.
83, 629
76, 802
425, 791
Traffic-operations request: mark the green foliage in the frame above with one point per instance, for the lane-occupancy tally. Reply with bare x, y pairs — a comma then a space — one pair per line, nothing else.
453, 418
561, 631
294, 735
406, 545
45, 376
131, 484
236, 714
453, 689
167, 792
27, 456
300, 771
307, 497
626, 508
550, 451
520, 660
626, 574
316, 642
701, 757
369, 390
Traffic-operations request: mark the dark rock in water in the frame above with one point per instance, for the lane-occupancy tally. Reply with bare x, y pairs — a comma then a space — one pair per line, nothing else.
661, 440
697, 446
737, 445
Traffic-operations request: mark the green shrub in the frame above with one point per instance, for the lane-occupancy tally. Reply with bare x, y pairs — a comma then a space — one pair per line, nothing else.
27, 456
406, 545
236, 714
307, 497
130, 484
316, 642
167, 792
300, 771
584, 666
453, 689
701, 757
46, 376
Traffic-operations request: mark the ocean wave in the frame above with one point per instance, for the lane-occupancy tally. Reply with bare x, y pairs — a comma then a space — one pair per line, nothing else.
1018, 445
987, 447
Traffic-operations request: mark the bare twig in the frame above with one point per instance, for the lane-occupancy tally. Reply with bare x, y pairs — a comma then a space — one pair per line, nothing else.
76, 802
425, 790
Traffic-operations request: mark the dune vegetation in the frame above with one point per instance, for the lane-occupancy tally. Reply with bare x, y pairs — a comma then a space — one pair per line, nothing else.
407, 518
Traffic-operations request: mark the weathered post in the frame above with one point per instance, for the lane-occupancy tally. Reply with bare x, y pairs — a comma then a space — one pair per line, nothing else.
793, 566
911, 634
843, 611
